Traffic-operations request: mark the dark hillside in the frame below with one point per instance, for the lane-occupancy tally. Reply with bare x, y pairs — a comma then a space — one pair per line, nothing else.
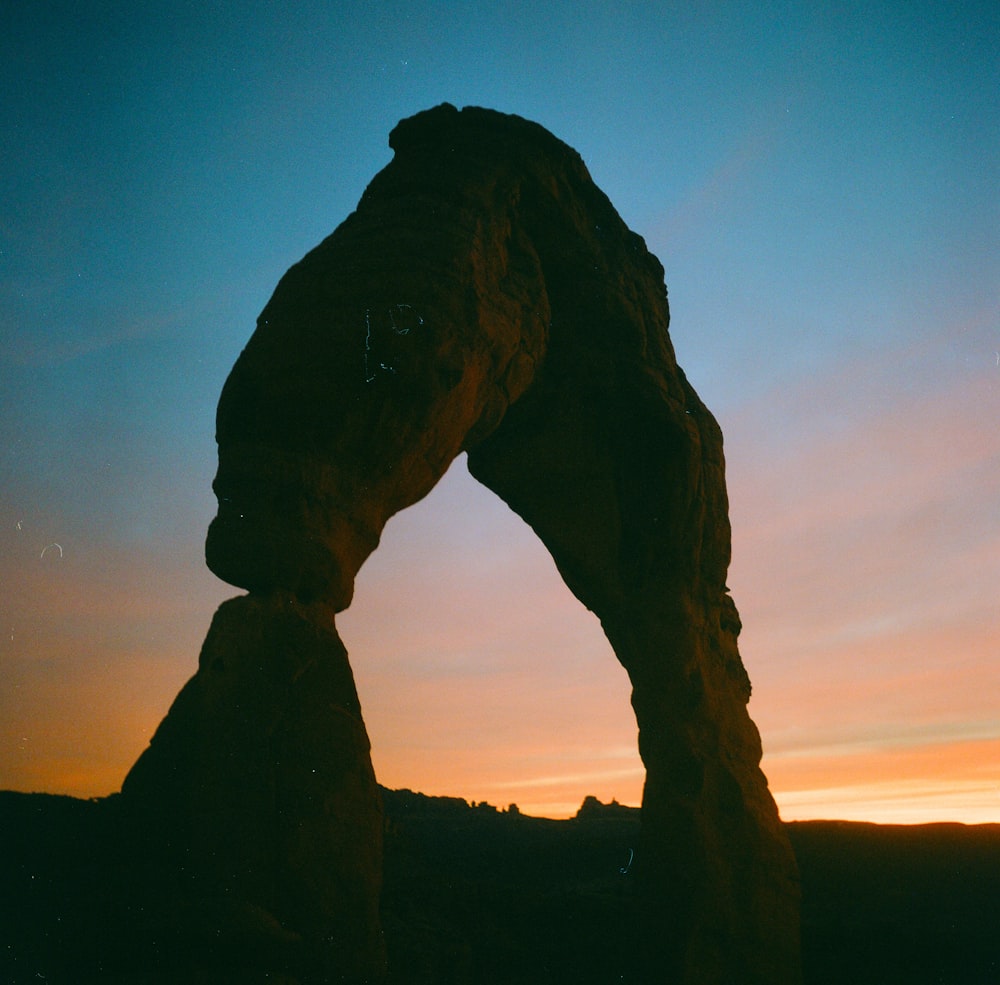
476, 895
887, 904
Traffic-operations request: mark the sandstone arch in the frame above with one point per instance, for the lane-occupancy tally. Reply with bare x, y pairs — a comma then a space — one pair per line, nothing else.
486, 297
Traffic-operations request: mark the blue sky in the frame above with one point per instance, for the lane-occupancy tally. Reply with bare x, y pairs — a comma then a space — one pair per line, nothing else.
821, 184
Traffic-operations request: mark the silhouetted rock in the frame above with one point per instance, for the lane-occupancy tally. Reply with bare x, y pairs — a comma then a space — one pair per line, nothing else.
485, 297
471, 895
592, 809
476, 896
257, 789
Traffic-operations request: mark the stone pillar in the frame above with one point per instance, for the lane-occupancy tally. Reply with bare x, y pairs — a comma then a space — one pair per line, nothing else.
717, 876
718, 882
255, 805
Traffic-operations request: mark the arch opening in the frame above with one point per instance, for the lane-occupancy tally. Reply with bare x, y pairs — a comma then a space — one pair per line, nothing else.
480, 674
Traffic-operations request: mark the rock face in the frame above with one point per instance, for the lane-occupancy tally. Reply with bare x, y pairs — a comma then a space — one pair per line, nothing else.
484, 297
258, 797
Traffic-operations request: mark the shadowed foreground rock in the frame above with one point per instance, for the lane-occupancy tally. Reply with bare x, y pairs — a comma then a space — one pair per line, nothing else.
474, 894
484, 297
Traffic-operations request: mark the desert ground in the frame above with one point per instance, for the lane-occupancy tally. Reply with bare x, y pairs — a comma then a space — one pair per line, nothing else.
475, 893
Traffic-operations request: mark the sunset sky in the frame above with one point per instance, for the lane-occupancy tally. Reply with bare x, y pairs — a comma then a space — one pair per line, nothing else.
822, 184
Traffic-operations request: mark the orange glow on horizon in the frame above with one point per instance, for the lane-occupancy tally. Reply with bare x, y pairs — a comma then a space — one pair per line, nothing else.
950, 781
481, 677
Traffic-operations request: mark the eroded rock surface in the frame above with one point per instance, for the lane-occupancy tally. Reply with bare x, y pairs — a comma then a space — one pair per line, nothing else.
485, 296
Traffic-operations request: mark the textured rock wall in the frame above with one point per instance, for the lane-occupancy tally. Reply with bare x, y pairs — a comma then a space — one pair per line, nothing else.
485, 296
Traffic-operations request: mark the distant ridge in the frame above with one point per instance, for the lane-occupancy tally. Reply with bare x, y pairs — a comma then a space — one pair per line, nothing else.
409, 803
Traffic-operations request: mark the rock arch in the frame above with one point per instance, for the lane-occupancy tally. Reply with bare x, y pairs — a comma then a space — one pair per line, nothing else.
485, 296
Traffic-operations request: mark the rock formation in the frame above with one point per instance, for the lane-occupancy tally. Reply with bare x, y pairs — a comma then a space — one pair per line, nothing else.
484, 297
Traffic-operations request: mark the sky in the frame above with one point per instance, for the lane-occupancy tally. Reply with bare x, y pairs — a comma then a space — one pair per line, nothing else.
822, 185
